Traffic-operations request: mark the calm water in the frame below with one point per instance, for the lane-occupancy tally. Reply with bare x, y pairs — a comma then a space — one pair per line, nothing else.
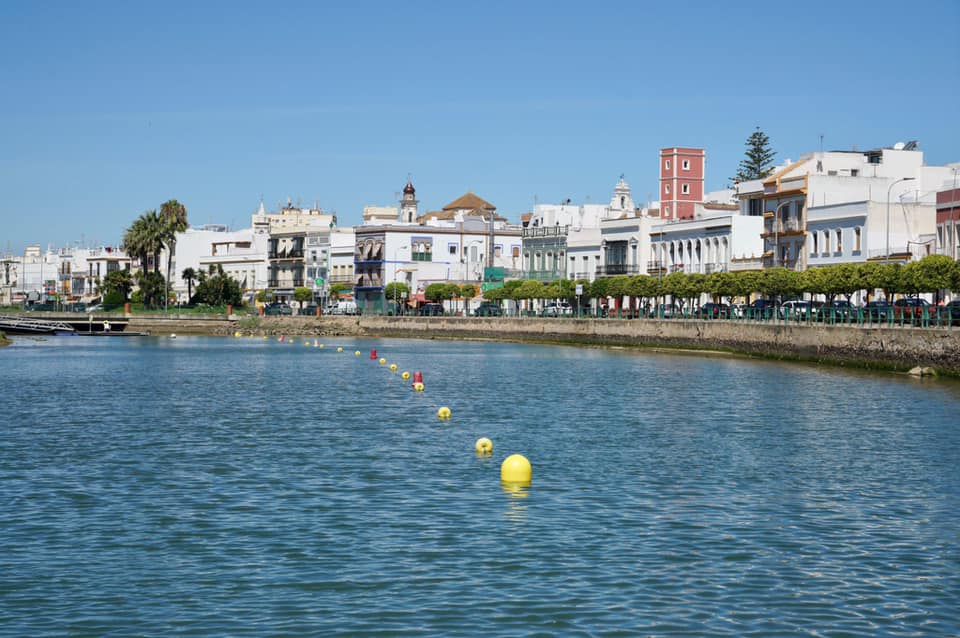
204, 486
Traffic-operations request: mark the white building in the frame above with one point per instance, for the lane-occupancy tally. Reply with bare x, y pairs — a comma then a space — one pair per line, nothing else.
847, 206
452, 245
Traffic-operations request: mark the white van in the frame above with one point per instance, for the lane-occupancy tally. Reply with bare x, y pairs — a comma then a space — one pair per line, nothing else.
345, 308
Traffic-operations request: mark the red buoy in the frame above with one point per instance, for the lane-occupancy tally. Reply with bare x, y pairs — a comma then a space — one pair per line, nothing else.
418, 377
373, 354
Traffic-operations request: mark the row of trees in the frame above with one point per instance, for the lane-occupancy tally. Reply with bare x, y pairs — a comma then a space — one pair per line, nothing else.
214, 289
147, 237
929, 275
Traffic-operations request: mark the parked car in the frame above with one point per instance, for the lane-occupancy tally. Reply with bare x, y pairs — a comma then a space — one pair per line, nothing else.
713, 311
761, 309
951, 313
431, 310
796, 309
310, 310
488, 309
345, 308
878, 311
277, 309
836, 311
562, 309
914, 310
665, 311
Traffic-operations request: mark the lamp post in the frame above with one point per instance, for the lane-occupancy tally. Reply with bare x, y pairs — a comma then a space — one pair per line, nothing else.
478, 242
776, 232
395, 251
890, 188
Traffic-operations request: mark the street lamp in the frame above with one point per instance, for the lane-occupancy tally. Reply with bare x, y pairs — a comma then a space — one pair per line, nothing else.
478, 242
776, 231
890, 188
395, 251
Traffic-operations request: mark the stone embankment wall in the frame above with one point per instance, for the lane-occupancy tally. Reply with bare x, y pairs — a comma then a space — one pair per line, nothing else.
897, 348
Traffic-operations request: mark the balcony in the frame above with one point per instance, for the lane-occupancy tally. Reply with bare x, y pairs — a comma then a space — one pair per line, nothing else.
617, 269
655, 268
543, 275
286, 254
711, 268
788, 227
746, 263
545, 231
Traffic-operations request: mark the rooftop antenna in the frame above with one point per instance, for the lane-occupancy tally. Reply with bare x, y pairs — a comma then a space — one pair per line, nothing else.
821, 142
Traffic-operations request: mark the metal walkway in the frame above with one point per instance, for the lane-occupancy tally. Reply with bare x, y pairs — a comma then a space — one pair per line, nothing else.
19, 325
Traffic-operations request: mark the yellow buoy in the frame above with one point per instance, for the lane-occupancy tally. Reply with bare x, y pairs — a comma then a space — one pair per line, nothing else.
443, 413
405, 376
321, 345
357, 353
306, 343
339, 349
383, 361
393, 367
236, 334
418, 387
516, 469
483, 446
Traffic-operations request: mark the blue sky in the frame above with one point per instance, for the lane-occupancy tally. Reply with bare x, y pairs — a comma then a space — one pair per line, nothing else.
109, 109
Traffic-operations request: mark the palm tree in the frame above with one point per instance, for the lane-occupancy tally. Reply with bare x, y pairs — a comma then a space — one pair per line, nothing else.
174, 216
188, 275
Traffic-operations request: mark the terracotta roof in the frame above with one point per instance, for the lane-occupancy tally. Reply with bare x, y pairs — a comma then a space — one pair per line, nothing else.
469, 202
452, 214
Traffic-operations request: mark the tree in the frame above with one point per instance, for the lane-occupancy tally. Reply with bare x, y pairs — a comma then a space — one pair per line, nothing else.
189, 275
174, 218
758, 160
935, 273
395, 290
436, 292
336, 289
219, 290
301, 294
118, 283
152, 288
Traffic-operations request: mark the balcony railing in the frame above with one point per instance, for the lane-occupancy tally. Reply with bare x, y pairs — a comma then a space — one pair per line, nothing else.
542, 275
788, 226
655, 268
286, 254
746, 263
545, 231
618, 269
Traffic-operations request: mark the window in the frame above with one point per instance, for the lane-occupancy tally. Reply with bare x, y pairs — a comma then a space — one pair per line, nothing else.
515, 251
854, 172
498, 250
826, 242
666, 165
856, 239
452, 248
755, 207
422, 250
666, 211
685, 189
816, 237
839, 240
666, 188
686, 165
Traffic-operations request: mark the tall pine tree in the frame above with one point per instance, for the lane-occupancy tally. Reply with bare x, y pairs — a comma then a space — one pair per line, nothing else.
758, 160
